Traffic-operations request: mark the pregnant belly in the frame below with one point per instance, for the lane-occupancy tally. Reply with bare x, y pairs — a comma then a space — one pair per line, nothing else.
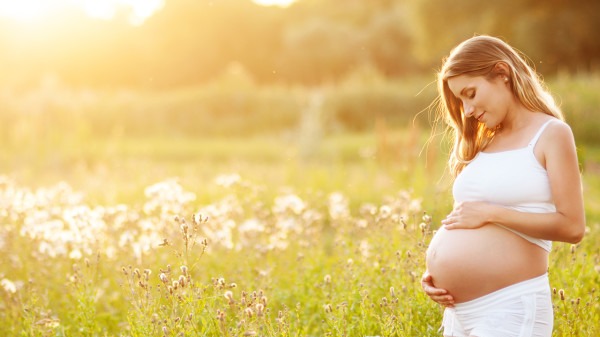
472, 263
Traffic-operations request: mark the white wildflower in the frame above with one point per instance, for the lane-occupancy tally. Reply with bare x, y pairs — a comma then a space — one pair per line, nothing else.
8, 286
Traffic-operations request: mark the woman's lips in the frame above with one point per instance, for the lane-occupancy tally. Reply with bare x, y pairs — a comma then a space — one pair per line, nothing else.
480, 116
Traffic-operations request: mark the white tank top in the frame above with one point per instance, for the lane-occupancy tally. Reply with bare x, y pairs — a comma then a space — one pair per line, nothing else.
514, 179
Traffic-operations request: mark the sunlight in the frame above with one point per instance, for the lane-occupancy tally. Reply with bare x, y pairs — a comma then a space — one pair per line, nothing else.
100, 9
282, 3
23, 10
140, 10
30, 11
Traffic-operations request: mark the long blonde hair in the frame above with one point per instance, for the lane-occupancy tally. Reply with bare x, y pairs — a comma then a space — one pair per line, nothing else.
478, 56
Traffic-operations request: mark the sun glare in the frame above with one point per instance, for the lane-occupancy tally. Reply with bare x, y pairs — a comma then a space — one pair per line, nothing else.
282, 3
28, 11
140, 10
23, 10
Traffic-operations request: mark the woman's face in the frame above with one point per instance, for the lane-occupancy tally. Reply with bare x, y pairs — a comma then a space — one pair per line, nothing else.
488, 101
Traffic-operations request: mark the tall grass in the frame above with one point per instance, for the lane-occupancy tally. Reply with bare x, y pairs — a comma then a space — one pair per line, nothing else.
118, 218
249, 262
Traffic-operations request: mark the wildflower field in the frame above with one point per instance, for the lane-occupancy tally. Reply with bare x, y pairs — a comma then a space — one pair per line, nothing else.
250, 242
130, 214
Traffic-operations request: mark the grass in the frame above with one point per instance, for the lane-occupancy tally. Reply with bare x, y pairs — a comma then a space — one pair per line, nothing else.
262, 236
124, 218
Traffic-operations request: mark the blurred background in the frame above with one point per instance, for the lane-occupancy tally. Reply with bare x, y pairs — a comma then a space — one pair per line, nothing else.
299, 135
158, 44
92, 91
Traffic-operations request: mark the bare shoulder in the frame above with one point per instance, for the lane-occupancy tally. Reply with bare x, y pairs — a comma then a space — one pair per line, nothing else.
557, 124
558, 132
557, 141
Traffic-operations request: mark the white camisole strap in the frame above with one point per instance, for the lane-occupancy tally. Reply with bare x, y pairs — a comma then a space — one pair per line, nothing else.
539, 133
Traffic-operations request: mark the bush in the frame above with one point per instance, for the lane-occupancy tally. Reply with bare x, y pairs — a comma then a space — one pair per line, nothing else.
236, 107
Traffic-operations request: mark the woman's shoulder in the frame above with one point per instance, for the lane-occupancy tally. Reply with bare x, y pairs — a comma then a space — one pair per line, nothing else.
558, 128
556, 135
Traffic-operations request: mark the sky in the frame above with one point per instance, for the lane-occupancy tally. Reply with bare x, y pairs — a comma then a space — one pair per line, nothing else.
32, 11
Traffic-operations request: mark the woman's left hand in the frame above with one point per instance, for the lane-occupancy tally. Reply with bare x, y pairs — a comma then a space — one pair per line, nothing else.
468, 215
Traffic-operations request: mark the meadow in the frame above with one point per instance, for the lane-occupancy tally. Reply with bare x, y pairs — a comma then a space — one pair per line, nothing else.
312, 232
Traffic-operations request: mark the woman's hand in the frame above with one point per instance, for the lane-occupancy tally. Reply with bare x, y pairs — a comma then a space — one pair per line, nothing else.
438, 295
468, 215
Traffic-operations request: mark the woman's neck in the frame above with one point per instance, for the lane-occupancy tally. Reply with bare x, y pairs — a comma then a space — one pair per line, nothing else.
517, 119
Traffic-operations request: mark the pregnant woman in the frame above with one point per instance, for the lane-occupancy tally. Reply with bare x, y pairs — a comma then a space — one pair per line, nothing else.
517, 188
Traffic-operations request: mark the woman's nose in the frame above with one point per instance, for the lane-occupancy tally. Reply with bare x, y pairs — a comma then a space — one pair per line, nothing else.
468, 110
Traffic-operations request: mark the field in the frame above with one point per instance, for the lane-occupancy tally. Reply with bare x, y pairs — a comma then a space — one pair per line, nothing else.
272, 235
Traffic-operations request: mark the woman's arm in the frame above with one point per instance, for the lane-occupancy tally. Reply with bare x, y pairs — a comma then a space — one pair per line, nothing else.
567, 224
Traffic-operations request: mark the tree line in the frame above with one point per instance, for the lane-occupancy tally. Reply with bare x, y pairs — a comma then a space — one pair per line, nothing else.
189, 42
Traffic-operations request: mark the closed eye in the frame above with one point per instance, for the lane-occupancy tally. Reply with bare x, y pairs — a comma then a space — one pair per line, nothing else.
470, 94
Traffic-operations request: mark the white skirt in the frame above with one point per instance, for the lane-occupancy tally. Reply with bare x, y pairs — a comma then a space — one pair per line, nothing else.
523, 309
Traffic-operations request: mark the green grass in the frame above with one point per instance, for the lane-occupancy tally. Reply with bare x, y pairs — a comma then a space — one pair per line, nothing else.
319, 229
311, 239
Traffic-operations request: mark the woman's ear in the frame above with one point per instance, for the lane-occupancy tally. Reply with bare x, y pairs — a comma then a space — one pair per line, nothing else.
502, 69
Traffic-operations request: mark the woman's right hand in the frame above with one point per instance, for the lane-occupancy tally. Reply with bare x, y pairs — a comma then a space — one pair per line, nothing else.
438, 295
